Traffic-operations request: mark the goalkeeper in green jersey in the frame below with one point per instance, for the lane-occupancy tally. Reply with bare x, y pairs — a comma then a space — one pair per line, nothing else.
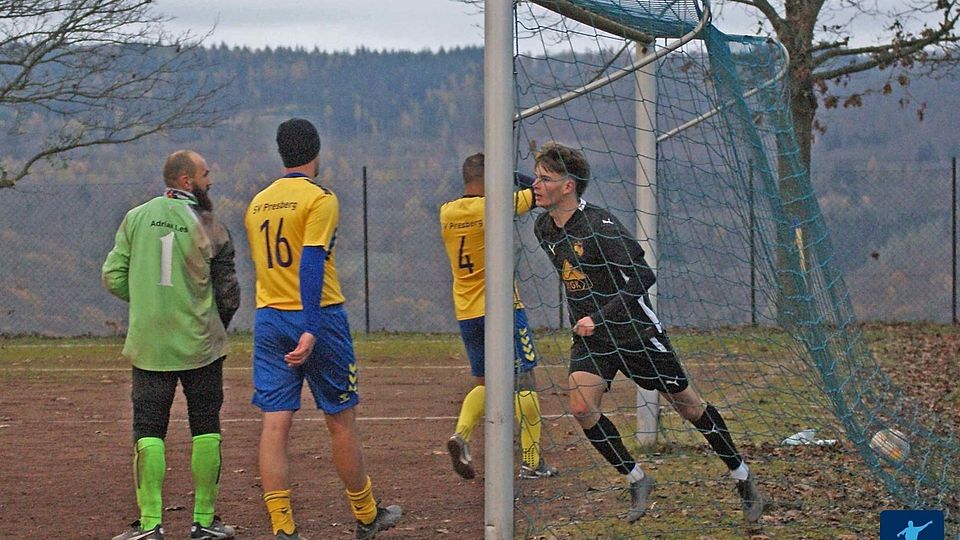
173, 262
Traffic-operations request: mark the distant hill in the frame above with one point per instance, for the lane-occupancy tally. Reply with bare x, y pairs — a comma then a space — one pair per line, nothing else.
410, 118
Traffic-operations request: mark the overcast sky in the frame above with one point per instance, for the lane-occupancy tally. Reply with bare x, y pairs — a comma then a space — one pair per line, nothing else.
330, 25
344, 25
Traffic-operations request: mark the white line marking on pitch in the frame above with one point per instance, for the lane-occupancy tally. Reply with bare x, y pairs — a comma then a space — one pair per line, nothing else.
125, 421
126, 369
120, 345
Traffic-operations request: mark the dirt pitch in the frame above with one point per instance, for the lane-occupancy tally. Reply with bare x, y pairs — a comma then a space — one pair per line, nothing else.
65, 448
65, 462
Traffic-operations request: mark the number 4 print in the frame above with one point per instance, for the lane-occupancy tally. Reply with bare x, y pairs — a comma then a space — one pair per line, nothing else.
463, 261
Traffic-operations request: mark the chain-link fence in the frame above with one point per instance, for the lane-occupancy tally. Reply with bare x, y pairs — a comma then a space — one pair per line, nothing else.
892, 229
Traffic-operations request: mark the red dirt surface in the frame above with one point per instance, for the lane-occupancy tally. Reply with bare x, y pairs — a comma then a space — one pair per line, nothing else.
65, 456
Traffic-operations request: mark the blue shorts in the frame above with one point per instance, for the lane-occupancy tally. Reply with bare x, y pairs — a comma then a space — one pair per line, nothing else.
331, 370
525, 354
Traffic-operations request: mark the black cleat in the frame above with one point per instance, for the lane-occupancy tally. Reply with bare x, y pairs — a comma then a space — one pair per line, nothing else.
136, 532
215, 531
541, 471
386, 519
460, 456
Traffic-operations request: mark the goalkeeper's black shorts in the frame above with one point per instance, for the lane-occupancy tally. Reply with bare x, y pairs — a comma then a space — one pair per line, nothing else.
650, 363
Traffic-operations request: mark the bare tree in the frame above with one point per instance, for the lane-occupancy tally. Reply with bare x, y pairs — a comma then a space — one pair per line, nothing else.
910, 37
819, 35
82, 73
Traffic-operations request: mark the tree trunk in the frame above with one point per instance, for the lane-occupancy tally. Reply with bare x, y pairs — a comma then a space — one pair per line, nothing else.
794, 175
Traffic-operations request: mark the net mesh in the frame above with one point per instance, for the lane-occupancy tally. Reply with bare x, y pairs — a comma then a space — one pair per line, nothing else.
757, 311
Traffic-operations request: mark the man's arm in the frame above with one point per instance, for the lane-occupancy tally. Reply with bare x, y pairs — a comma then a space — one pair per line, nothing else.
116, 268
522, 181
311, 289
523, 200
223, 275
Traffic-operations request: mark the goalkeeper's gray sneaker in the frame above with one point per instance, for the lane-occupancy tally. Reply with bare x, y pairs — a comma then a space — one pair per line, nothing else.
215, 531
640, 497
136, 532
292, 536
751, 498
386, 519
460, 456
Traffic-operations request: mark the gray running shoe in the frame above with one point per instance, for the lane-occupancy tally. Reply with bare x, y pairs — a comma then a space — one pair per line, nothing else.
215, 531
292, 536
541, 471
460, 456
751, 498
386, 519
136, 532
640, 497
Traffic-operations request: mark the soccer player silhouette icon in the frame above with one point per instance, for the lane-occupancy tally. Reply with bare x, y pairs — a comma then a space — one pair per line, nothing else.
911, 532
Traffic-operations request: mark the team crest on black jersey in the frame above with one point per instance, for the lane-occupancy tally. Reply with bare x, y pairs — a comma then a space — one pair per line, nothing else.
573, 278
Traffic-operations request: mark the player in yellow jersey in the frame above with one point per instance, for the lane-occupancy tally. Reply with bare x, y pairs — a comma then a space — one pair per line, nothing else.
301, 332
461, 226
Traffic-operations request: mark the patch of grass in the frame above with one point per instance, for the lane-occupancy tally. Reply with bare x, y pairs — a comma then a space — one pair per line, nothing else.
694, 499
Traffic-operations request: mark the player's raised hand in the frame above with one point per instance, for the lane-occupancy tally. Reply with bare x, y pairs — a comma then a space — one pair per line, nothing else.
299, 355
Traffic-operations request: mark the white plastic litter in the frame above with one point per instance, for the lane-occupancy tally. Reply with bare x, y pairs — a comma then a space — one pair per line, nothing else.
807, 437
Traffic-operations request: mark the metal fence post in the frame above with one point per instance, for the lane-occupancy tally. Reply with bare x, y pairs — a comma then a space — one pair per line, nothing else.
366, 257
953, 207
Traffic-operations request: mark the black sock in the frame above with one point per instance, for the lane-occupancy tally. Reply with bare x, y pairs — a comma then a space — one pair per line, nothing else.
714, 430
606, 439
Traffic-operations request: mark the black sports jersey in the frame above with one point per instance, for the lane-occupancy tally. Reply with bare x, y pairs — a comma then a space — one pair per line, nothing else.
604, 274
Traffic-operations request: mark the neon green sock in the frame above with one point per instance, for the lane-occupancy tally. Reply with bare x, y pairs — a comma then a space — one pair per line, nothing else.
149, 466
470, 412
527, 411
205, 464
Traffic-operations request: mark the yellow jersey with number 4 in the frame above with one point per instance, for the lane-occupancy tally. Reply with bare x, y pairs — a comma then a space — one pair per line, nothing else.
461, 227
291, 213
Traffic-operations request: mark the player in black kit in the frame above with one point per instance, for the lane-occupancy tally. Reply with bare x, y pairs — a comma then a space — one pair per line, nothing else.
606, 279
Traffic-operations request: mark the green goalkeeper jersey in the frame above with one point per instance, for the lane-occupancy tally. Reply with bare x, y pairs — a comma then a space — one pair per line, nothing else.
160, 264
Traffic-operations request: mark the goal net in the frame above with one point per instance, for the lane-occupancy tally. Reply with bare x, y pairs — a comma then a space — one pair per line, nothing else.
689, 139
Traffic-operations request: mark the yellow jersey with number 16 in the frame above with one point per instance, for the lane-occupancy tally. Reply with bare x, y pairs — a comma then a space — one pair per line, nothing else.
291, 213
461, 227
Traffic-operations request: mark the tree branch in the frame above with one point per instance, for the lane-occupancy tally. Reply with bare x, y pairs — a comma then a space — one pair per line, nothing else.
96, 72
766, 9
881, 55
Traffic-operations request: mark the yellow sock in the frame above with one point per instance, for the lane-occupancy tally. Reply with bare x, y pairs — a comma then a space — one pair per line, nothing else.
527, 411
281, 512
470, 412
363, 504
